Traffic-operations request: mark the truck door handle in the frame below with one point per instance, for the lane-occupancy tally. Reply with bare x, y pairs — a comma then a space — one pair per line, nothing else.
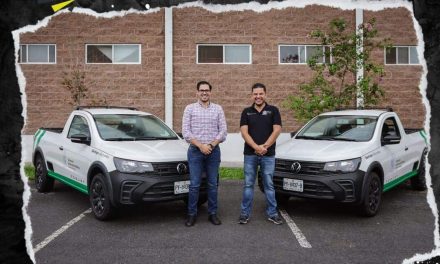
406, 148
61, 147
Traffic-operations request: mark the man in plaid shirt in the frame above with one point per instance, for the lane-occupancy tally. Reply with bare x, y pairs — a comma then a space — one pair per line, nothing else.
204, 127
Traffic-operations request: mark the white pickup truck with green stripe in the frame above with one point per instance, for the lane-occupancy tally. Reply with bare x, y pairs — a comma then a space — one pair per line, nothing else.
117, 156
350, 156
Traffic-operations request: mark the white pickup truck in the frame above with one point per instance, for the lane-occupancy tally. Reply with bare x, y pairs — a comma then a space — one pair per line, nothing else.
350, 156
117, 156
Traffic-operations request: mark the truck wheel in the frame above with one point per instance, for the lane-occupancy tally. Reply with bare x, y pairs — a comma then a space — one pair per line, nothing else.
418, 182
43, 183
100, 198
373, 194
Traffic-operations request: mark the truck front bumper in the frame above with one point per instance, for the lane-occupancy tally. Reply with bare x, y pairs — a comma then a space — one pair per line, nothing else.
343, 187
149, 187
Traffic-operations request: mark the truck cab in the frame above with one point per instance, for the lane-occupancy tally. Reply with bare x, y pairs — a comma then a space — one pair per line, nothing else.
117, 156
350, 156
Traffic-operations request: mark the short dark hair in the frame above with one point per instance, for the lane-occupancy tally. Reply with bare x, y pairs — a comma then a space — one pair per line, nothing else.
259, 85
202, 83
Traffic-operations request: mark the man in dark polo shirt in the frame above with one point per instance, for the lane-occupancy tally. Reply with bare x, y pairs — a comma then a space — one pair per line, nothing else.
260, 125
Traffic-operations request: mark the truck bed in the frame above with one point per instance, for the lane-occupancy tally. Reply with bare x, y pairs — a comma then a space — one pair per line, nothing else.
52, 129
412, 130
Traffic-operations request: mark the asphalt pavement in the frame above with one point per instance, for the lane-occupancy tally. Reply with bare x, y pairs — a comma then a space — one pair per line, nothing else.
64, 231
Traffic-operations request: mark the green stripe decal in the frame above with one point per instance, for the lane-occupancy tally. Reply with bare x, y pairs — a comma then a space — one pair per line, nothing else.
399, 180
79, 186
423, 134
39, 135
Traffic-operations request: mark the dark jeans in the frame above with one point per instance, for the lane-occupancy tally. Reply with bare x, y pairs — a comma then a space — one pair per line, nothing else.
198, 162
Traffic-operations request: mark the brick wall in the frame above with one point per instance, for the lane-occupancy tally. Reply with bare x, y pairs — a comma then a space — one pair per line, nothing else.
140, 85
143, 85
401, 82
232, 83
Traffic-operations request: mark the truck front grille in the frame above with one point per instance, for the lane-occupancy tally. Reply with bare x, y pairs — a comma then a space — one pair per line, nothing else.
168, 168
307, 167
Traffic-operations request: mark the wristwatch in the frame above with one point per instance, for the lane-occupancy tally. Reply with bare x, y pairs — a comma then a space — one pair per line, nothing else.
212, 146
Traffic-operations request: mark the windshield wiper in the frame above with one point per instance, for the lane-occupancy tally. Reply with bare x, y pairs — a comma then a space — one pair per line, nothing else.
120, 139
342, 139
309, 137
154, 138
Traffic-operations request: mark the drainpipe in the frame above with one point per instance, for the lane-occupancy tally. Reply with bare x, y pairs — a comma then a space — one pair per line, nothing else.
169, 66
359, 48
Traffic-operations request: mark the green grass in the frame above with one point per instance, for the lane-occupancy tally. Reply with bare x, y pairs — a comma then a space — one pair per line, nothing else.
231, 173
29, 171
225, 173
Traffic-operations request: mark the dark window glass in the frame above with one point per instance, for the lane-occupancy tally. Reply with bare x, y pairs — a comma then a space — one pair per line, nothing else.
210, 54
99, 54
390, 56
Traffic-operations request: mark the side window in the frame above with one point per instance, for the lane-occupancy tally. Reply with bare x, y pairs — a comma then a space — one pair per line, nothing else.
79, 126
390, 127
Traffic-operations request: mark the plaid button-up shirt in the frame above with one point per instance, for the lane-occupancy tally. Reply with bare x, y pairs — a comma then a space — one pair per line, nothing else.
204, 124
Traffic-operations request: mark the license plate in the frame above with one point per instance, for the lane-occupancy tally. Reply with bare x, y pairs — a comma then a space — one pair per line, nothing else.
293, 185
181, 187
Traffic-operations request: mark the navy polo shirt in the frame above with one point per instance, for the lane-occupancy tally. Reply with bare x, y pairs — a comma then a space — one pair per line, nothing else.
260, 126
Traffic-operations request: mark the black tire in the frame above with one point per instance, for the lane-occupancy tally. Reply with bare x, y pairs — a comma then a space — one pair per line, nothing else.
418, 182
282, 198
43, 182
100, 198
373, 195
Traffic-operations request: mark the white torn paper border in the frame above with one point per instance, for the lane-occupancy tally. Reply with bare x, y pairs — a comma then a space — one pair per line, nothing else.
252, 6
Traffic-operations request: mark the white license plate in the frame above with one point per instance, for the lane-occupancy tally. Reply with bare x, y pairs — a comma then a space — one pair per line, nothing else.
181, 187
293, 185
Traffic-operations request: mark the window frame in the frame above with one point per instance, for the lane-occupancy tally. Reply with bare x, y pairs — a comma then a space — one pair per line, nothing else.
113, 54
397, 55
37, 44
224, 54
305, 53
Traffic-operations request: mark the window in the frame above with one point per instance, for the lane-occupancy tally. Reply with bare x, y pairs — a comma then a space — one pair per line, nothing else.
224, 53
79, 126
300, 54
37, 53
113, 53
401, 55
390, 128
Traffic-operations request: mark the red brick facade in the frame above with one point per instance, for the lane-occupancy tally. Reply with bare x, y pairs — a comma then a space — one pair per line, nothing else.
142, 85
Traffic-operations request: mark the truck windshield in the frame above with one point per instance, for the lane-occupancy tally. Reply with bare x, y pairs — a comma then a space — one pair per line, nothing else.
344, 128
117, 127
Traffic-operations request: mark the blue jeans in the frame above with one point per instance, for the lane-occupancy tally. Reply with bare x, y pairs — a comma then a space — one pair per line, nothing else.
267, 167
199, 162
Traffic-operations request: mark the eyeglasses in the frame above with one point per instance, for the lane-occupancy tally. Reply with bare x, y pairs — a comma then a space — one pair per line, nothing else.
204, 91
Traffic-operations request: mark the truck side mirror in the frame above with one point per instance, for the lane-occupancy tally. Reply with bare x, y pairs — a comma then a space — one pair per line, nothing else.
180, 134
293, 133
80, 139
390, 140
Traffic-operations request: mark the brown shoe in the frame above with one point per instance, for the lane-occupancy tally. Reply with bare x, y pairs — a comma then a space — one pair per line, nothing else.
214, 219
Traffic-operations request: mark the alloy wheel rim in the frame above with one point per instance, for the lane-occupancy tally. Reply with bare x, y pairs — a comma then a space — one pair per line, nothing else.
374, 195
98, 198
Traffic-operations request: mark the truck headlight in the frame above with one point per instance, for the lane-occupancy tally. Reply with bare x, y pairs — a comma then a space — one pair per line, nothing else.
343, 165
132, 166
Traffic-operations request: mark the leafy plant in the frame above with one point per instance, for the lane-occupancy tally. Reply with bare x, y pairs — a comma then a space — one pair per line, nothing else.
74, 81
334, 83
